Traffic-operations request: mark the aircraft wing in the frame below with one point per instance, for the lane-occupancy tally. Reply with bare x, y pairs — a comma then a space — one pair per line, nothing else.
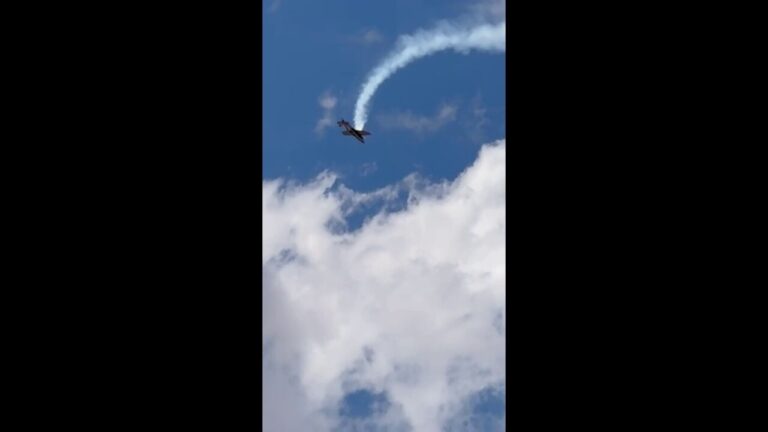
364, 133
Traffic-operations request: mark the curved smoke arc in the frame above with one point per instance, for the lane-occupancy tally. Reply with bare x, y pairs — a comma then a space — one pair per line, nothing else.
484, 37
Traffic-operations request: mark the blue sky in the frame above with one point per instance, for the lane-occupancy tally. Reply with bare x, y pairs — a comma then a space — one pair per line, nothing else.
432, 118
311, 48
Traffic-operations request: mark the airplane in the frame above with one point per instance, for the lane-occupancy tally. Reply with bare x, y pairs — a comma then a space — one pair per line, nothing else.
349, 130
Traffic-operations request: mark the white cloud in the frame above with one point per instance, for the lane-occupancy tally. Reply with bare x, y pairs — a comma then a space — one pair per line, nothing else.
420, 124
327, 102
409, 304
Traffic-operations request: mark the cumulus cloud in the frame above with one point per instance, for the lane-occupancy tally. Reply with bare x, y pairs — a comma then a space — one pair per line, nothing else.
327, 102
410, 305
421, 124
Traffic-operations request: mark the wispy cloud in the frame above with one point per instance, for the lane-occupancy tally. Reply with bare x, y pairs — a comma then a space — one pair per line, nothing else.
366, 36
327, 102
275, 5
420, 124
490, 9
410, 305
477, 121
368, 168
372, 36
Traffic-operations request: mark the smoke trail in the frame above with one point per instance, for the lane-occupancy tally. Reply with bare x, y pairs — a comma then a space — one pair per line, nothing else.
488, 37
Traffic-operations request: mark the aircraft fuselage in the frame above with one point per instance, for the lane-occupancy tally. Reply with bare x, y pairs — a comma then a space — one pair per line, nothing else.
349, 130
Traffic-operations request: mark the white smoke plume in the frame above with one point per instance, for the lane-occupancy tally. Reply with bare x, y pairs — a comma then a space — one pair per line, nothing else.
462, 38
